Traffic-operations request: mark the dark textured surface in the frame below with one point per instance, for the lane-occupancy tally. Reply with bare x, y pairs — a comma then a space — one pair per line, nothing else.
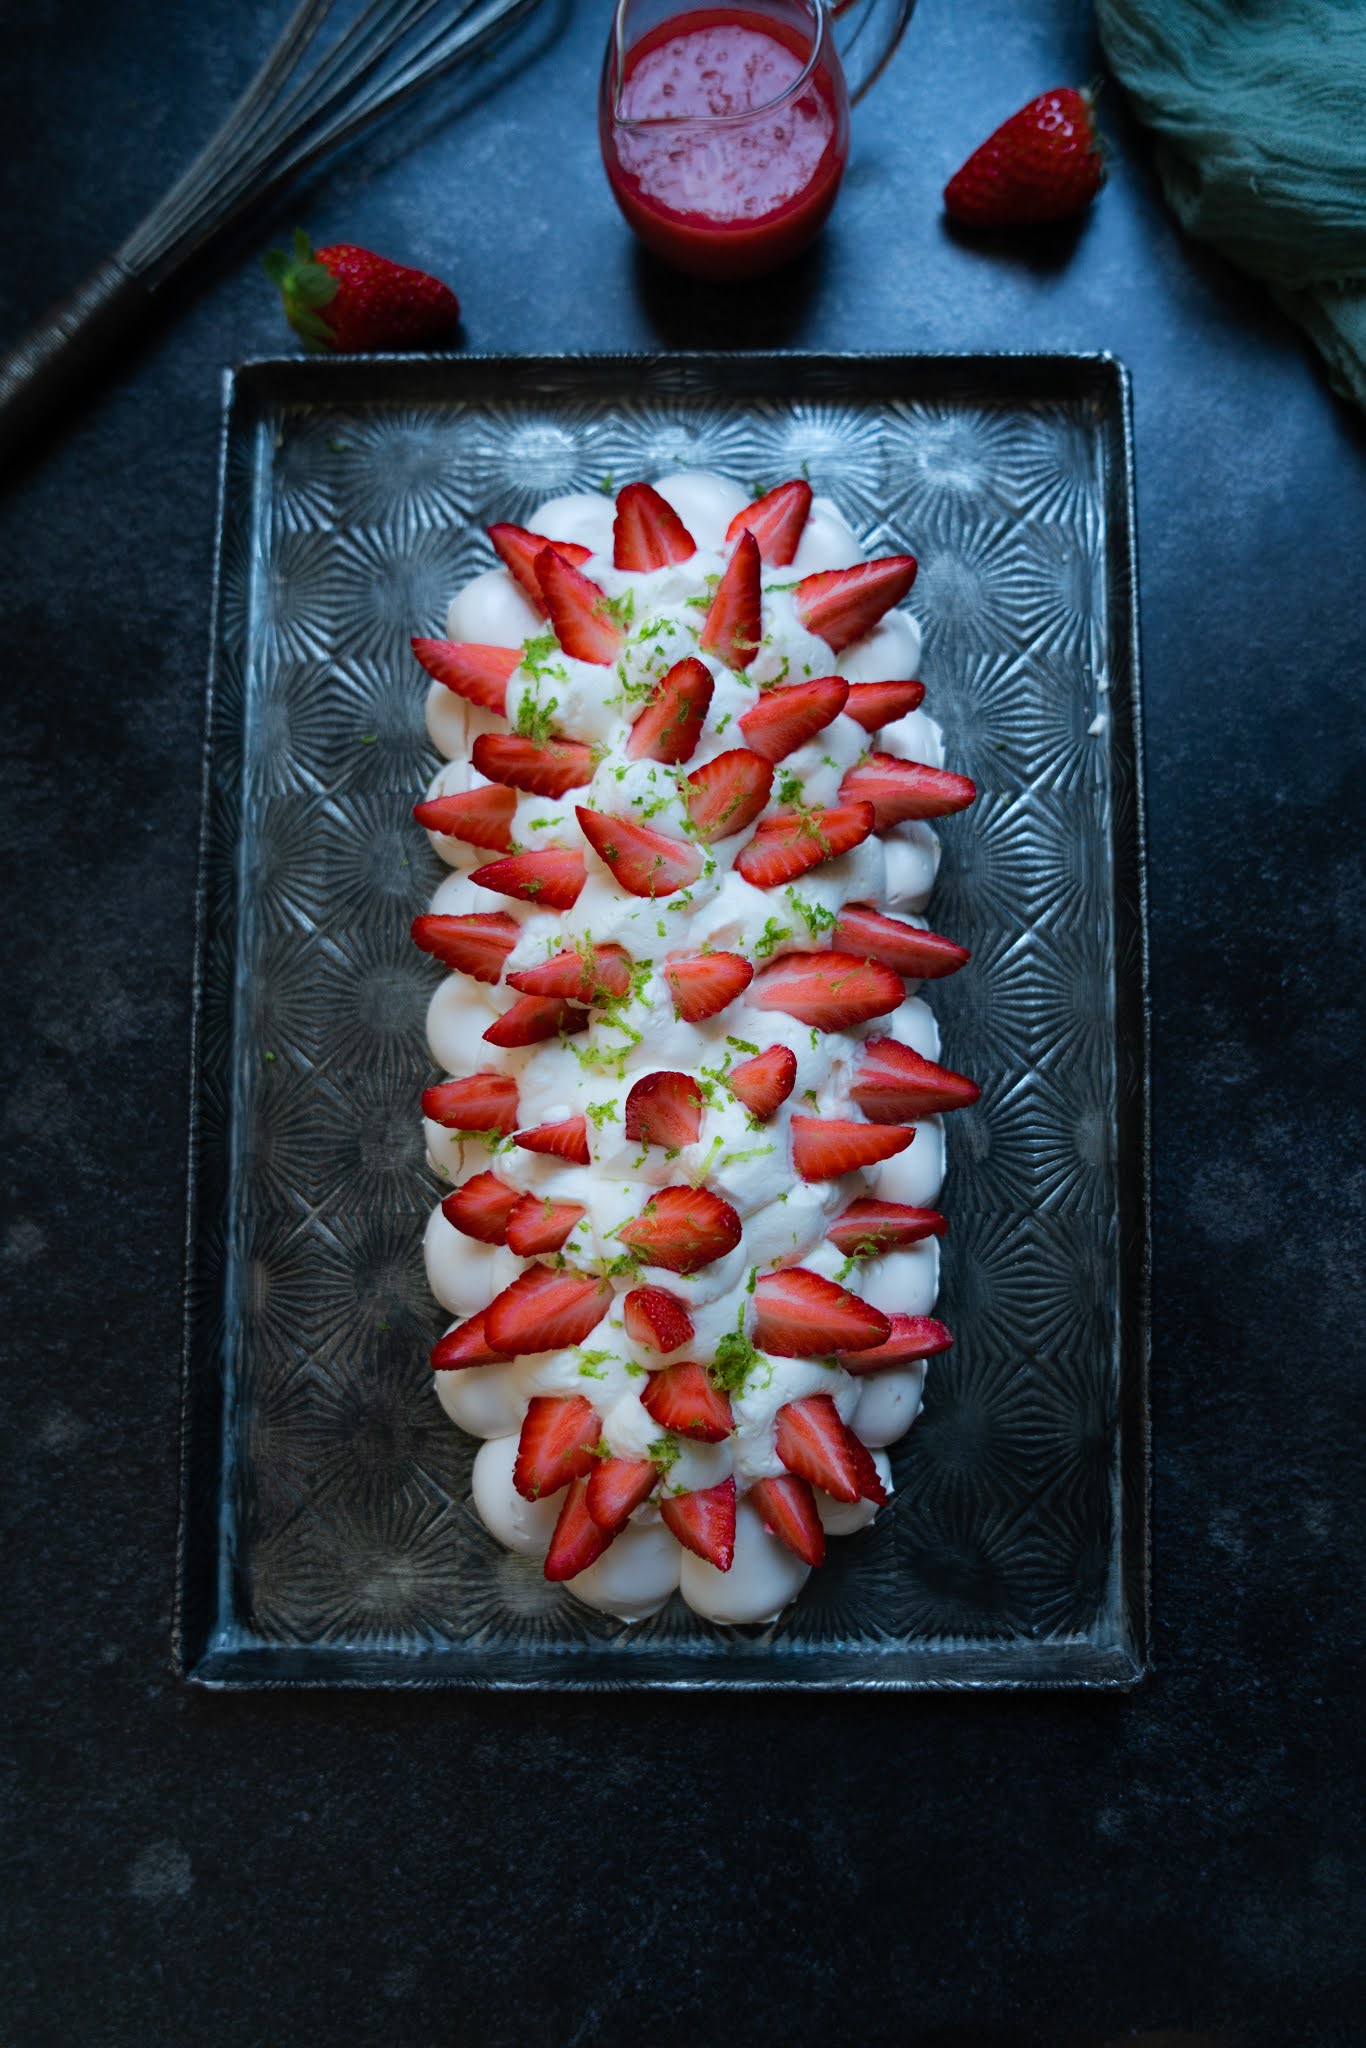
489, 1870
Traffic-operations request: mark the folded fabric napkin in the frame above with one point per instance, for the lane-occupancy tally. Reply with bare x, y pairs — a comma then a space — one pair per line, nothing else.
1259, 109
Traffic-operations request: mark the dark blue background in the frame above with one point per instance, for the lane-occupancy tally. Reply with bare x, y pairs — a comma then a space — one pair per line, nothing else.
492, 1870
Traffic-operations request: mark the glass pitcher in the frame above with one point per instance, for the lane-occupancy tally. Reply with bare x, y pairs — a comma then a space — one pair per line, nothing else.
725, 128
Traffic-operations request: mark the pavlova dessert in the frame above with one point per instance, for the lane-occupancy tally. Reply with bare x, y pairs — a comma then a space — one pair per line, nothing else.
692, 1118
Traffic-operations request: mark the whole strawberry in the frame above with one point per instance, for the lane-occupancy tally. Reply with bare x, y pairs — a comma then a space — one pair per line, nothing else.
345, 298
1045, 163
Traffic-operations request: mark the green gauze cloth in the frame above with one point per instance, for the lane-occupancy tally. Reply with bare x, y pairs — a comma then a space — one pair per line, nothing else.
1259, 109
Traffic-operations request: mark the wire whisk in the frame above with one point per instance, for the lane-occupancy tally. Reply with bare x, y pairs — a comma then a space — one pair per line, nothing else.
310, 96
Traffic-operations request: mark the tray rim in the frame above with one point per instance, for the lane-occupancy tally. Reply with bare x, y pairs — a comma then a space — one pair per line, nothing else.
1119, 1667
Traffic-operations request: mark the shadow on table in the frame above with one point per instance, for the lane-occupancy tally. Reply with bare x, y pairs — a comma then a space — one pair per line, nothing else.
1044, 250
687, 312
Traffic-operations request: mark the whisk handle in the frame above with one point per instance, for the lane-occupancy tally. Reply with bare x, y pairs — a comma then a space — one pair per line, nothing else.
63, 349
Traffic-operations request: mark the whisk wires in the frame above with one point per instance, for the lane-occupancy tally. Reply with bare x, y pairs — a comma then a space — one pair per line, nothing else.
295, 111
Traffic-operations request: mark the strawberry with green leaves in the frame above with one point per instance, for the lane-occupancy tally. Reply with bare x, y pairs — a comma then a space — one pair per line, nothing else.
348, 299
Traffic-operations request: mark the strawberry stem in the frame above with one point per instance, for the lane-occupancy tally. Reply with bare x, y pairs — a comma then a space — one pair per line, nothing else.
305, 287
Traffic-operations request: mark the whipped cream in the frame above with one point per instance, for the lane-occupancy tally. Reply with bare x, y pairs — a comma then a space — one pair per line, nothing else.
785, 1219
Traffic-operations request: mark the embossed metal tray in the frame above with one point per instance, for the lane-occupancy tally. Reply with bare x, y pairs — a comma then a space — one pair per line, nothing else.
328, 1536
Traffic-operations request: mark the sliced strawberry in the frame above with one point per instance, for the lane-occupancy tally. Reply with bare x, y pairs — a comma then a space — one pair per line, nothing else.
895, 1085
787, 1509
786, 719
616, 1487
682, 1398
683, 1229
577, 1541
559, 1433
733, 627
541, 767
804, 1315
599, 974
481, 817
702, 984
704, 1522
517, 550
464, 1346
476, 944
776, 520
868, 1226
578, 610
481, 1206
824, 1147
647, 533
899, 789
536, 1224
664, 1109
551, 878
643, 861
657, 1319
873, 705
478, 674
728, 793
567, 1140
793, 842
831, 991
812, 1441
869, 1479
545, 1309
481, 1102
841, 605
670, 726
911, 1337
764, 1083
923, 956
534, 1018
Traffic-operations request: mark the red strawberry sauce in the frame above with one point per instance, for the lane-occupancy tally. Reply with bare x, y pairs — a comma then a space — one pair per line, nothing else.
716, 194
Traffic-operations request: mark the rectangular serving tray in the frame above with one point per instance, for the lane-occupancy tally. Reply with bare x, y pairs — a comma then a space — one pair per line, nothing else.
327, 1532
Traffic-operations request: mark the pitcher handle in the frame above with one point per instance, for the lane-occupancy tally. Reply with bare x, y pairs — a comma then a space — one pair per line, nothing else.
868, 32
